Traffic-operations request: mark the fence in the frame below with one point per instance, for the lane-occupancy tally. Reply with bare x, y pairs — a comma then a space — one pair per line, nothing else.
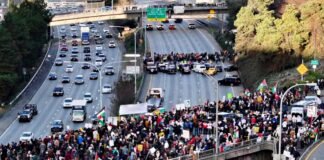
210, 154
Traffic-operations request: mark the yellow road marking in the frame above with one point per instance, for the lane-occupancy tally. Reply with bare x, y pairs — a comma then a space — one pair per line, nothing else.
314, 149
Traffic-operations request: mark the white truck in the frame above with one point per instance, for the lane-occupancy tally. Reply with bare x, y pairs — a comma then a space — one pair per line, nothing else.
79, 111
154, 98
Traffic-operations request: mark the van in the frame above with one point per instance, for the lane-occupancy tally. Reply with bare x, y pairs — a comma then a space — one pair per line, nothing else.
98, 62
200, 68
295, 111
302, 104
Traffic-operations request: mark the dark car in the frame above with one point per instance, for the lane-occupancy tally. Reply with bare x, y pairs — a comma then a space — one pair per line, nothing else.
231, 68
62, 55
65, 79
57, 126
108, 35
219, 68
230, 81
86, 50
149, 27
87, 57
25, 116
32, 108
165, 21
52, 76
86, 66
178, 20
58, 91
95, 69
93, 76
74, 59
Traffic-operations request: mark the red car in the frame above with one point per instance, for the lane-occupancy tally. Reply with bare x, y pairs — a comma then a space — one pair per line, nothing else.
74, 43
172, 27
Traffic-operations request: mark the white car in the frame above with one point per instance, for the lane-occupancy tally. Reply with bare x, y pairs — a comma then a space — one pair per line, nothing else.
73, 28
67, 103
26, 136
94, 30
101, 22
62, 30
79, 79
87, 96
313, 99
99, 47
106, 88
98, 62
105, 30
82, 25
75, 50
111, 44
69, 68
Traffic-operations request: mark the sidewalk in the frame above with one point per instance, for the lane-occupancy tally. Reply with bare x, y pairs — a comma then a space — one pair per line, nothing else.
11, 114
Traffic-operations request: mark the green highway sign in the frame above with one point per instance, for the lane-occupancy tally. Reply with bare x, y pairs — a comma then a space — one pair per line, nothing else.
314, 62
156, 14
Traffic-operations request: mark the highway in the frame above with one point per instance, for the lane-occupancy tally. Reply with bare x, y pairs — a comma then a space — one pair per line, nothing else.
316, 152
194, 87
50, 108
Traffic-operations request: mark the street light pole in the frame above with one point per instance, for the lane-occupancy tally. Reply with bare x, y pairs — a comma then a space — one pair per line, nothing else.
281, 102
135, 64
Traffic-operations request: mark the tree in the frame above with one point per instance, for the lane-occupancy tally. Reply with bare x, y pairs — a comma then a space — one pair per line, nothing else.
124, 94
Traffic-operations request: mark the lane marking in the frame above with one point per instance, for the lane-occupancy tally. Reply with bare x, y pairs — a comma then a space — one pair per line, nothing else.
313, 150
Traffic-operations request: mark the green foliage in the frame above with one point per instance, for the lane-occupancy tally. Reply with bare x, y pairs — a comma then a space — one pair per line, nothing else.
23, 34
295, 32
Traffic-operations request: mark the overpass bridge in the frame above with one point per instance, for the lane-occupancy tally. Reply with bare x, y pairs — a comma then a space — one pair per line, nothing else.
125, 13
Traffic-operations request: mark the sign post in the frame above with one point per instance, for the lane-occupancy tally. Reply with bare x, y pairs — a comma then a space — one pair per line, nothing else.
302, 69
156, 14
314, 64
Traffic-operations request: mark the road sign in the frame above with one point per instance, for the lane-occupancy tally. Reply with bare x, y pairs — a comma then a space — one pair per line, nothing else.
315, 62
156, 14
302, 69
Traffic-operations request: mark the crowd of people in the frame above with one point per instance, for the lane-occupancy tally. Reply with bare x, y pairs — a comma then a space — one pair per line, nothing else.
190, 57
177, 132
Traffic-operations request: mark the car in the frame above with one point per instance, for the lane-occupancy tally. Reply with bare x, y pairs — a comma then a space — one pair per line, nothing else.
314, 99
97, 36
165, 21
171, 69
191, 26
74, 43
111, 44
160, 27
105, 30
95, 69
219, 68
103, 57
172, 27
73, 28
149, 27
93, 76
87, 96
106, 88
109, 70
74, 35
87, 57
79, 79
58, 91
94, 30
98, 62
62, 55
65, 79
62, 30
231, 68
108, 35
57, 126
67, 102
32, 108
230, 81
82, 25
99, 47
89, 22
52, 76
26, 136
25, 116
210, 72
92, 26
85, 66
72, 24
75, 50
185, 68
101, 22
64, 49
178, 20
86, 50
74, 58
69, 68
58, 62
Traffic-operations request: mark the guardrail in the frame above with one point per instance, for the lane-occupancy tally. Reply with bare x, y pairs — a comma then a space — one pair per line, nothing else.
236, 147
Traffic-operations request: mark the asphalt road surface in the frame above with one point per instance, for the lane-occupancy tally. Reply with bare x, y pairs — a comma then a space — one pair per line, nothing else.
317, 152
194, 87
50, 108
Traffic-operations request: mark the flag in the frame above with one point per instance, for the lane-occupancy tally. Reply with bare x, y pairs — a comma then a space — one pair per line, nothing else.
97, 157
274, 88
262, 85
101, 117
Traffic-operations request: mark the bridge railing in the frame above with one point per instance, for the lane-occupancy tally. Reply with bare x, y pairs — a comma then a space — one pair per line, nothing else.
209, 154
